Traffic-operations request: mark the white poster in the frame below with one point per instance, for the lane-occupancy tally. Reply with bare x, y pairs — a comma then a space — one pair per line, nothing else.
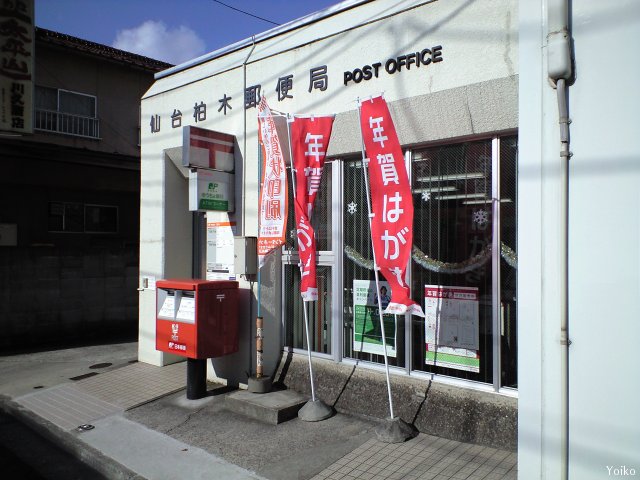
187, 310
220, 255
452, 333
168, 308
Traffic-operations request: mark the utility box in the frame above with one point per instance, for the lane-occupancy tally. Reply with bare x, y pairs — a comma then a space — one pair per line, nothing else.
245, 255
197, 319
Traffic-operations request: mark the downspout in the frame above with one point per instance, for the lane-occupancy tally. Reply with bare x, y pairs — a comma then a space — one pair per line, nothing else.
559, 65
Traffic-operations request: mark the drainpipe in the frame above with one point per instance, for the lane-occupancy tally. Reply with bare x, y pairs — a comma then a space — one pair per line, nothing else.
559, 65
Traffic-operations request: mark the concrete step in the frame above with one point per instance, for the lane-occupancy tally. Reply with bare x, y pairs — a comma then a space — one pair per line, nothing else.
273, 407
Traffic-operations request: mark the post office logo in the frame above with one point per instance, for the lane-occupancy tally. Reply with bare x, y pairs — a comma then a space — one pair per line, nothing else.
174, 330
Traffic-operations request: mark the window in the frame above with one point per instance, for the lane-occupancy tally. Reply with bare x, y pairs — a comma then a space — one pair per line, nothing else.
80, 218
362, 338
67, 112
453, 225
465, 222
464, 238
100, 219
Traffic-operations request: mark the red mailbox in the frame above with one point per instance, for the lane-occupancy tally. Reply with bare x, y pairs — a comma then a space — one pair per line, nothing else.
197, 318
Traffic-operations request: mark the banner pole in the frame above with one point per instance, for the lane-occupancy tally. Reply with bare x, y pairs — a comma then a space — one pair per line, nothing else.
306, 328
304, 304
375, 268
245, 212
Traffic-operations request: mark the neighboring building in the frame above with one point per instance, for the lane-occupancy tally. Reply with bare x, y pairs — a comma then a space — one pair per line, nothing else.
69, 196
479, 129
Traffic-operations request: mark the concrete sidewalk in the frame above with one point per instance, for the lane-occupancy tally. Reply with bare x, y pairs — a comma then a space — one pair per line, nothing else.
144, 427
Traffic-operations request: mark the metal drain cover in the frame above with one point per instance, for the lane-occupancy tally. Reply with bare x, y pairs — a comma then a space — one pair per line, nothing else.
100, 365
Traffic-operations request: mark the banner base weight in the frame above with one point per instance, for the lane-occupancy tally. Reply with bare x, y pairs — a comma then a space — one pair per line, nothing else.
314, 411
395, 430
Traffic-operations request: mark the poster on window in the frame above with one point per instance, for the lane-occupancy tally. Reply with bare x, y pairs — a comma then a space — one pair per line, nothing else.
367, 336
220, 254
452, 333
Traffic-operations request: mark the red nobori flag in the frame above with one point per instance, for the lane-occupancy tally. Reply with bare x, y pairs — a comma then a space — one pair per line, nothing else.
309, 142
391, 202
273, 192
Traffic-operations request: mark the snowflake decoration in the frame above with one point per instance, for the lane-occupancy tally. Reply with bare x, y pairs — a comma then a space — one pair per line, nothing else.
426, 196
352, 208
480, 217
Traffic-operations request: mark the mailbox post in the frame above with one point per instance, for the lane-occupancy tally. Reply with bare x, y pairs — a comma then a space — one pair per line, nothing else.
197, 319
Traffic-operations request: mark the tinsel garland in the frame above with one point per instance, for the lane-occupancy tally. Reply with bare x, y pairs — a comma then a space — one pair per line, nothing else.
434, 265
451, 268
508, 255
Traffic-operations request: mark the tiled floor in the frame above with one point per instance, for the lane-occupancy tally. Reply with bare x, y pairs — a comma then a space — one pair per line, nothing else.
67, 406
424, 457
135, 384
72, 404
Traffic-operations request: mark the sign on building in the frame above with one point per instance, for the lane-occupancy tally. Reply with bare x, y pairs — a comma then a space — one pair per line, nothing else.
16, 66
211, 190
204, 148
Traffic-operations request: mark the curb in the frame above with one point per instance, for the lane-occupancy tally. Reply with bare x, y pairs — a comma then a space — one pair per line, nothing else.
69, 442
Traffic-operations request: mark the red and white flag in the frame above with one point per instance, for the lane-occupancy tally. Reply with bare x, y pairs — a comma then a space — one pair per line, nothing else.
272, 218
309, 142
391, 202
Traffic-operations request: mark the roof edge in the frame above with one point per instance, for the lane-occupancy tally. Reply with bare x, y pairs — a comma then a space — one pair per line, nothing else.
98, 49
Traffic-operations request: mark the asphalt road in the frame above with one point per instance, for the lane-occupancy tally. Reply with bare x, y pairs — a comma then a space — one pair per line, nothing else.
26, 456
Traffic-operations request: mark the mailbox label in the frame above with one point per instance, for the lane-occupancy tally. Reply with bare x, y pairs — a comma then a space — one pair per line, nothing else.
176, 337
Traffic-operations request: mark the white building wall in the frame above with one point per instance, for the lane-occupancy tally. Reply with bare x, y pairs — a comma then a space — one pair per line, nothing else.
478, 47
604, 247
604, 241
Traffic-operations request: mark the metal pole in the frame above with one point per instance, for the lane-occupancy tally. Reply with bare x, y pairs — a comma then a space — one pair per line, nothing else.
197, 367
304, 304
196, 378
375, 270
259, 339
306, 328
259, 307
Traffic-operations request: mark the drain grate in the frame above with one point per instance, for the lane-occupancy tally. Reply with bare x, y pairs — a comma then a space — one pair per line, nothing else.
82, 377
100, 365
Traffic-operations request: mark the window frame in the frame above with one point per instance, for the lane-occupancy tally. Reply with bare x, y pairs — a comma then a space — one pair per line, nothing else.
84, 213
94, 97
61, 122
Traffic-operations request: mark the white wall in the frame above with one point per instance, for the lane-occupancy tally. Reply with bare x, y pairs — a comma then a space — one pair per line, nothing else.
479, 45
604, 246
604, 268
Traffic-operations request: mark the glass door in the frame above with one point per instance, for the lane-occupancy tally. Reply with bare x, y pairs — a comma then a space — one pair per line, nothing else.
320, 312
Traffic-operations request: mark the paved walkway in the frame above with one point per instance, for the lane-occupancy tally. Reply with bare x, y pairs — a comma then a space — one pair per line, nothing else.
424, 457
143, 427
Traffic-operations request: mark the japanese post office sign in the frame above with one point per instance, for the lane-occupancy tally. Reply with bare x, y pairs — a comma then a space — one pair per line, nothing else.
211, 190
207, 149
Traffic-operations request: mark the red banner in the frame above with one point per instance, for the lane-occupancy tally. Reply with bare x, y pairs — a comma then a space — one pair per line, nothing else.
391, 202
309, 141
273, 211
